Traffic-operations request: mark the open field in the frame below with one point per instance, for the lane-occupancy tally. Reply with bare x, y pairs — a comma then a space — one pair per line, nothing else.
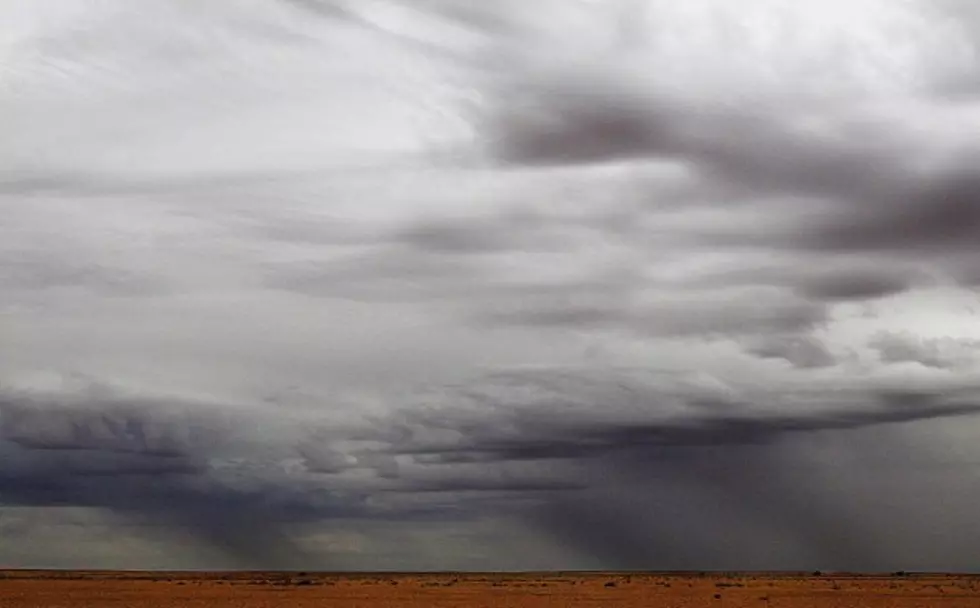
56, 589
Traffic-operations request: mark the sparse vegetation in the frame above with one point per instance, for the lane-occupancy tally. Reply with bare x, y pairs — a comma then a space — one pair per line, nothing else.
21, 589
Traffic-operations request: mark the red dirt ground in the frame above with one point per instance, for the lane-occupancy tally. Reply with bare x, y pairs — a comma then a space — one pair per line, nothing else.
55, 589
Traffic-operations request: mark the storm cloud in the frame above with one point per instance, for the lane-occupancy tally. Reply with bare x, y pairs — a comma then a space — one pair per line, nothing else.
368, 283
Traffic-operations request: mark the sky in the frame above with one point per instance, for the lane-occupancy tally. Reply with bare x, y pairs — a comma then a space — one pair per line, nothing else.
447, 285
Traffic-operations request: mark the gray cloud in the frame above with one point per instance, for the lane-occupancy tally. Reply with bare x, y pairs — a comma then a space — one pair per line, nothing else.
640, 413
856, 171
378, 264
940, 353
802, 352
157, 459
693, 474
856, 284
727, 315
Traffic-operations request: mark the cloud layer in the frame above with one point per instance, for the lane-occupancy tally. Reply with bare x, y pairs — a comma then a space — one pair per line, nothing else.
370, 284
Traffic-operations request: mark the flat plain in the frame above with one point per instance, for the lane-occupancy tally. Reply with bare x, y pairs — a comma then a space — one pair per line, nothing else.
64, 589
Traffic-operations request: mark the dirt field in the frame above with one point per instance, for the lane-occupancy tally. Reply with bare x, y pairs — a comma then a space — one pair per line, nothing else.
23, 589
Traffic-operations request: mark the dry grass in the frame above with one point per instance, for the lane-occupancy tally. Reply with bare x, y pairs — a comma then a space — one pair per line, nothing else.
22, 589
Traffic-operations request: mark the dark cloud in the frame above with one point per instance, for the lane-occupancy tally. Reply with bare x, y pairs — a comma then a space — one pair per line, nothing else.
202, 473
712, 509
939, 213
587, 113
152, 459
627, 466
545, 443
580, 117
320, 459
112, 425
858, 175
855, 284
553, 416
703, 490
249, 528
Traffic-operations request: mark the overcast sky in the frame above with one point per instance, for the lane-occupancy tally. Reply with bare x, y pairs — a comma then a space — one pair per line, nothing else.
443, 284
